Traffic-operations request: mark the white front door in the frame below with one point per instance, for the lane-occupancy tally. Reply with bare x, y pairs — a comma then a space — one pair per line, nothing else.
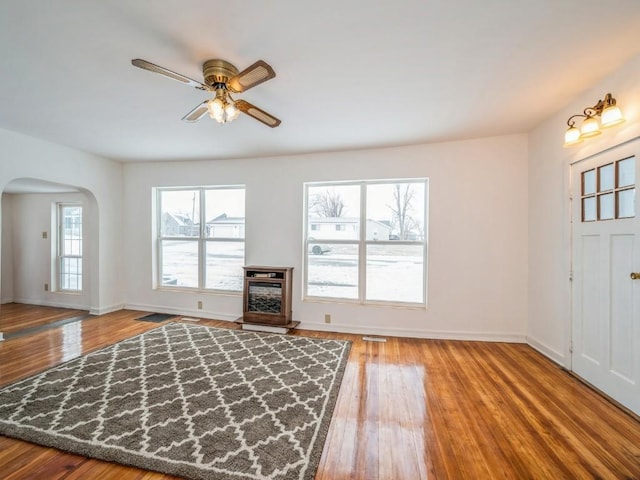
605, 261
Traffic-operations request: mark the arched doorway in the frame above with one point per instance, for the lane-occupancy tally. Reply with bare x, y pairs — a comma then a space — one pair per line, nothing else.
29, 260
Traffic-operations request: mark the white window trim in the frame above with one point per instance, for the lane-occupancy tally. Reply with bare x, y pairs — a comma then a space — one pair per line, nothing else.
201, 240
57, 284
362, 244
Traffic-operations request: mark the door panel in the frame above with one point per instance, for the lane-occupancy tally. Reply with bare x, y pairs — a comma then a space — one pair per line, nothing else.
590, 332
621, 347
605, 328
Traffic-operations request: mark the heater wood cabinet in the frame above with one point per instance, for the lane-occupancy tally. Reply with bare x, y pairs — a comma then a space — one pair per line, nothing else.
267, 295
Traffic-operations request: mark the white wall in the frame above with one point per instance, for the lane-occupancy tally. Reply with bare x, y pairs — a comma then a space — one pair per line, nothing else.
549, 295
477, 234
101, 179
31, 265
6, 259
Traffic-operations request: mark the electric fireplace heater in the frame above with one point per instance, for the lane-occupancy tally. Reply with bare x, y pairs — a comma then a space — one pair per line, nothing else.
267, 295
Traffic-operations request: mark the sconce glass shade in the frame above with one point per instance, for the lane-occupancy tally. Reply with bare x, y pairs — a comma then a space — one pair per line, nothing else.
572, 136
590, 128
611, 116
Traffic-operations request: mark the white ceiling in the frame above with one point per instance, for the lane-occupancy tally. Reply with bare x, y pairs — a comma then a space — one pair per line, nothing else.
351, 74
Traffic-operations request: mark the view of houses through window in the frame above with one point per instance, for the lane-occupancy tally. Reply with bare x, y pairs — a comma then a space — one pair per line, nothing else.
200, 235
69, 247
366, 241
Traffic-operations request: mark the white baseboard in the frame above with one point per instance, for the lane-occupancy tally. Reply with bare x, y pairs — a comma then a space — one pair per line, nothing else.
322, 327
108, 309
183, 311
412, 333
548, 352
47, 303
6, 300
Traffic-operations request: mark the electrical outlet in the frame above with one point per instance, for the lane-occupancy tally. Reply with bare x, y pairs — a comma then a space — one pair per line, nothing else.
46, 287
327, 318
45, 235
199, 304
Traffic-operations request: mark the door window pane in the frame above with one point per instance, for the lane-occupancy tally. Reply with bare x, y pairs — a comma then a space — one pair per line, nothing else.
606, 206
627, 172
589, 209
404, 264
626, 203
588, 182
615, 195
606, 177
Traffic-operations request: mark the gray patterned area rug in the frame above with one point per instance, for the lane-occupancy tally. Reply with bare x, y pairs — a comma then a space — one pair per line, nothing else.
188, 400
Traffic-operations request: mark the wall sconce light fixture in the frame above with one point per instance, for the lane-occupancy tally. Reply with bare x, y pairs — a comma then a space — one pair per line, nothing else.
608, 112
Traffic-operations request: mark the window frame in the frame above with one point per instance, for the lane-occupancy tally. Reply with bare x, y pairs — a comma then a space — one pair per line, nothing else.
599, 193
60, 248
201, 239
362, 243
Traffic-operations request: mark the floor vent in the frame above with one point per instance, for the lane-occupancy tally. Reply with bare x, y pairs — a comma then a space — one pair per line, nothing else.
190, 319
374, 339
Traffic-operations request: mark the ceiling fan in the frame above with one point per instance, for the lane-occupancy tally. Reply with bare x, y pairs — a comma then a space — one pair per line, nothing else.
222, 79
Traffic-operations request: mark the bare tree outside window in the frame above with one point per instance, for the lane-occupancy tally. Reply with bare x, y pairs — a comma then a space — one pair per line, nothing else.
328, 204
374, 233
402, 210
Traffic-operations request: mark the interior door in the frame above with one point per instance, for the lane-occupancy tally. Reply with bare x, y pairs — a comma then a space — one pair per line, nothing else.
606, 273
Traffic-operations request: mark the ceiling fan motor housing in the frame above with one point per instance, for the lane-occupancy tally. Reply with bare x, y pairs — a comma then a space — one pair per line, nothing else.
217, 71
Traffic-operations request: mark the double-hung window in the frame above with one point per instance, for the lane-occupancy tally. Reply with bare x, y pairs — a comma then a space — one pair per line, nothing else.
69, 245
366, 241
200, 235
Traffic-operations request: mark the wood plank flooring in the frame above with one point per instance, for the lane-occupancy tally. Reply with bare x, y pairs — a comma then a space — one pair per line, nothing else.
16, 316
407, 409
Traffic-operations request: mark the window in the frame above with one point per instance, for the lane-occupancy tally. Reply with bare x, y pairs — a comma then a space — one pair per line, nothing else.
200, 233
608, 192
381, 256
69, 249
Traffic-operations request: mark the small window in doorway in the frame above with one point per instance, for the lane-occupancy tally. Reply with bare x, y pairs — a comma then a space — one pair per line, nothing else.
608, 192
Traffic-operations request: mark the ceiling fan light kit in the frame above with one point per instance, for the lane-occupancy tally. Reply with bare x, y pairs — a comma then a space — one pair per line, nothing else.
222, 78
222, 108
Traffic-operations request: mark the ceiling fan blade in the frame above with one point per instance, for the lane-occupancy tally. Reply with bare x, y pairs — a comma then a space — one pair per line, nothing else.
257, 73
257, 113
138, 62
197, 113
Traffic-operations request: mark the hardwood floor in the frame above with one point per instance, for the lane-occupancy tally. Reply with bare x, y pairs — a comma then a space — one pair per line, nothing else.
16, 316
407, 409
